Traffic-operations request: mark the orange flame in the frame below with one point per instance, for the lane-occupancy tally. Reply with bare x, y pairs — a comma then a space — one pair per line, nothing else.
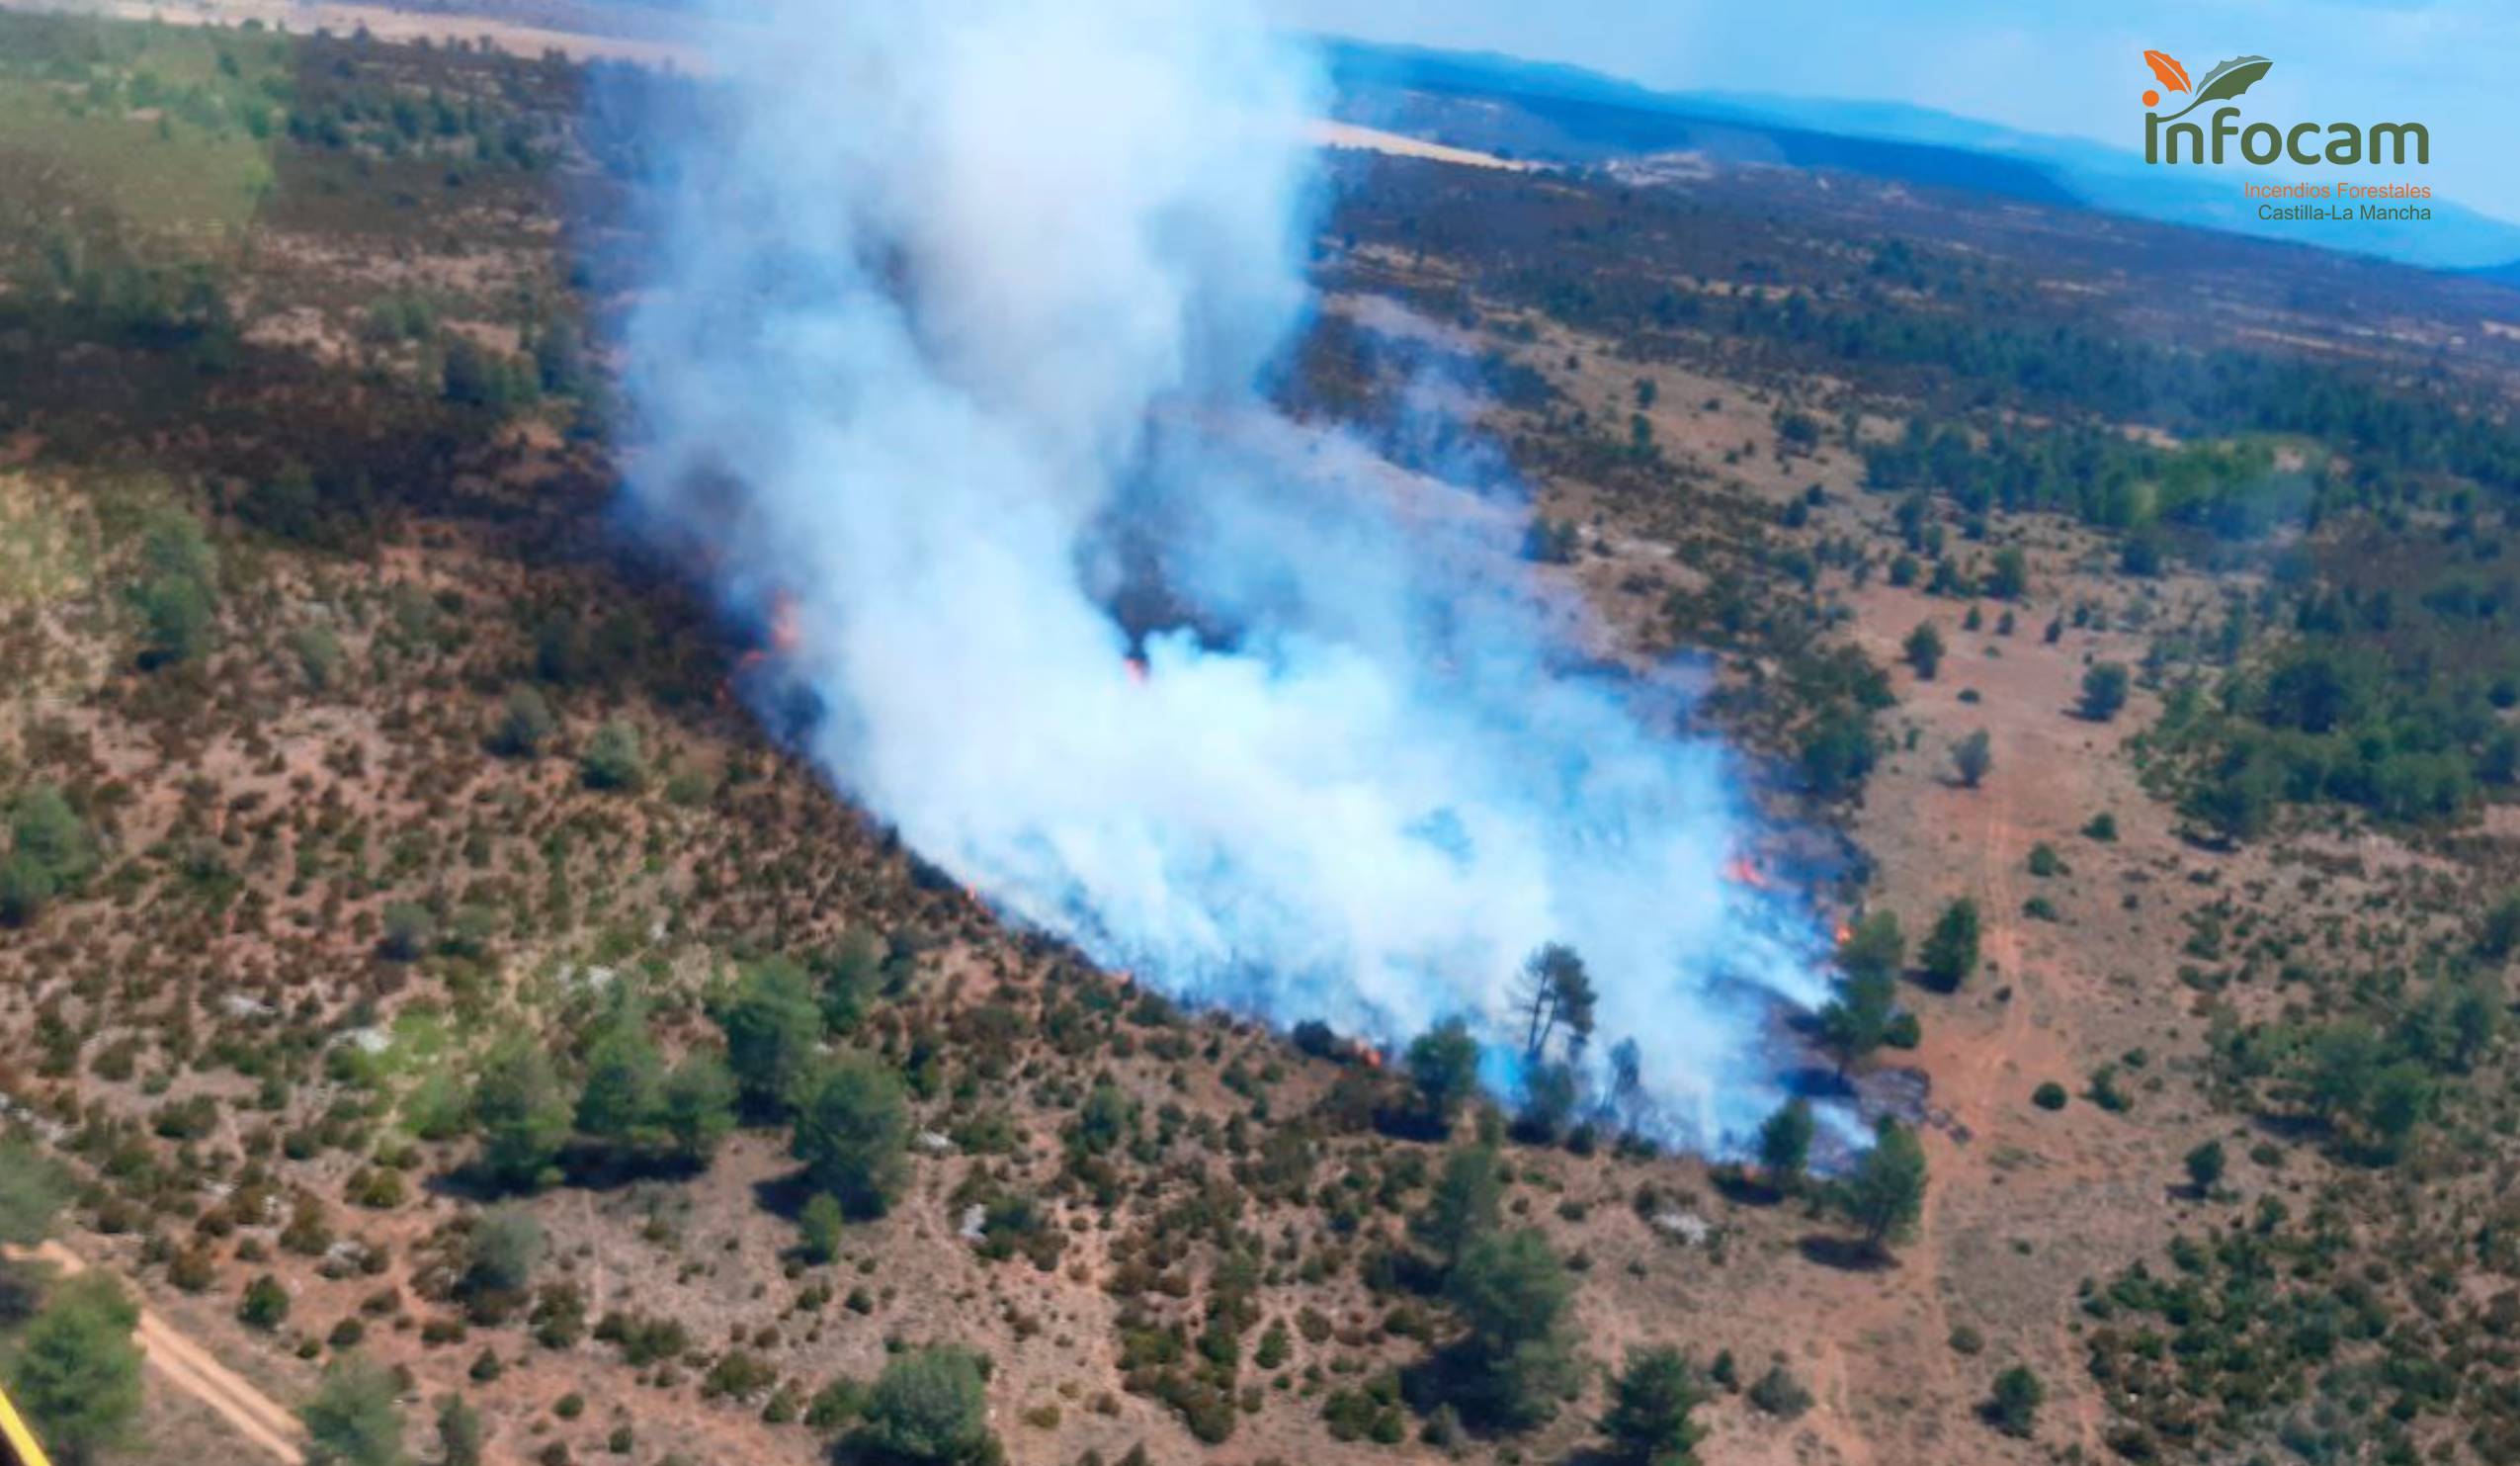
1742, 870
787, 632
1137, 666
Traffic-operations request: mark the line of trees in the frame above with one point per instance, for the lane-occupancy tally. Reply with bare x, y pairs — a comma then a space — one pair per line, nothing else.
848, 1113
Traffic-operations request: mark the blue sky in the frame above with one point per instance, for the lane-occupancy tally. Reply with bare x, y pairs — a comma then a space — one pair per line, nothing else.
2073, 71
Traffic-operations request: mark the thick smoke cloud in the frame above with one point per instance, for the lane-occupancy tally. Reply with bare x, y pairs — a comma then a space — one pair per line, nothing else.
951, 349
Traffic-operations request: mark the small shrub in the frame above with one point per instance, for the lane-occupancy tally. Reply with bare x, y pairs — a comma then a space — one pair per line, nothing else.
526, 725
2014, 1406
1780, 1393
411, 930
613, 759
264, 1305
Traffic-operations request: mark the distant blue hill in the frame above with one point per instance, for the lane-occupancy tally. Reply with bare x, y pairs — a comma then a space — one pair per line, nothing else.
1553, 112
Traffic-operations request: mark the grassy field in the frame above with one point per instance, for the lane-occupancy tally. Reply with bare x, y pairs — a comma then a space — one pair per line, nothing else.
161, 128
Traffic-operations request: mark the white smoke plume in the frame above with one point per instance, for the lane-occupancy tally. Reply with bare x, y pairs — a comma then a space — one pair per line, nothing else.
953, 337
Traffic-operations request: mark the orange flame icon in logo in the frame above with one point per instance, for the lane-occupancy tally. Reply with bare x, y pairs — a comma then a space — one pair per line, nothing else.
2165, 66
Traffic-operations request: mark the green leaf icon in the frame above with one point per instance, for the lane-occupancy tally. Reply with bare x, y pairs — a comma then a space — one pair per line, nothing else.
2226, 82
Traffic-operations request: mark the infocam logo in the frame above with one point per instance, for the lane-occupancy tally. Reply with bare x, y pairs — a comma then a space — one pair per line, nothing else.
2262, 143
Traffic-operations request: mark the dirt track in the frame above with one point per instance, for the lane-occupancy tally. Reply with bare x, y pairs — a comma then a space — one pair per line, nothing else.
190, 1368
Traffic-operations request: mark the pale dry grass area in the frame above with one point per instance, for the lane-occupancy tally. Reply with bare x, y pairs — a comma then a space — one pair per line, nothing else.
1375, 140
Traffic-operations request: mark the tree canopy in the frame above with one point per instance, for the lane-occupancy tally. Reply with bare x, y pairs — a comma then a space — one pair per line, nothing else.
524, 1114
1511, 1293
1463, 1205
76, 1372
1444, 1062
773, 1024
355, 1419
853, 1134
1557, 993
1785, 1141
1949, 953
929, 1408
1650, 1402
1886, 1193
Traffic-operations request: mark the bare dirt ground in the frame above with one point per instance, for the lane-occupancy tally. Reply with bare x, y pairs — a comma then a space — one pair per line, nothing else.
193, 1369
2026, 1204
1375, 140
